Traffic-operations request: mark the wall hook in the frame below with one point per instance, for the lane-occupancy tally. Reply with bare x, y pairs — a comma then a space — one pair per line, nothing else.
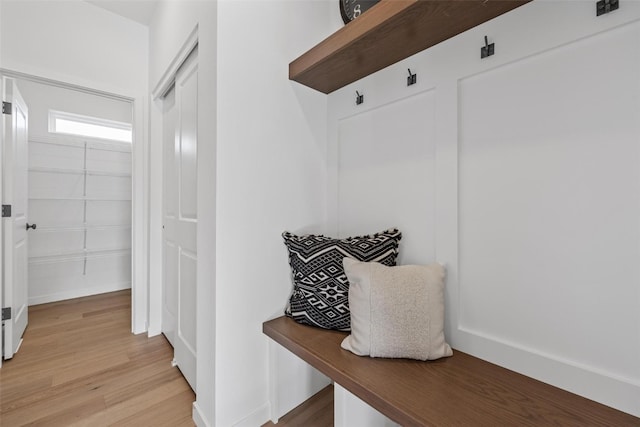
411, 79
487, 49
606, 6
359, 98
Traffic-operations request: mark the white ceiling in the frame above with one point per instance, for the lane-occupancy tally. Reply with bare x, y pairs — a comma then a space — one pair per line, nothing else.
137, 10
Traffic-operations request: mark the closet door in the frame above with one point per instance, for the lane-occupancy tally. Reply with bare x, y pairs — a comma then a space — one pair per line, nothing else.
181, 227
170, 214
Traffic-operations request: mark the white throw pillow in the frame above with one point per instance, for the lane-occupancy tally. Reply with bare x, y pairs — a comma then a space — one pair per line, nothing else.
396, 312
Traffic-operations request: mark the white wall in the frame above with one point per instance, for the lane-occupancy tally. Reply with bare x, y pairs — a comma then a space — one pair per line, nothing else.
42, 97
271, 178
267, 144
520, 173
74, 42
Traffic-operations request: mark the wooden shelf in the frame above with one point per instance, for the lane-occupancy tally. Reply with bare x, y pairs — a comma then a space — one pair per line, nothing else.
389, 32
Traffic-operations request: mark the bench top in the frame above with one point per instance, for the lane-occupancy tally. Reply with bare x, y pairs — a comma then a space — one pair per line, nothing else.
458, 390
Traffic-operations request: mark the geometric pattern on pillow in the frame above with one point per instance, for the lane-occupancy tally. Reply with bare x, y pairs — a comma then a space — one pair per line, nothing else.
320, 294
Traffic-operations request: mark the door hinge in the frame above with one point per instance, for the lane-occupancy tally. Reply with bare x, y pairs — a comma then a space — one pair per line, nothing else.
6, 211
6, 108
6, 313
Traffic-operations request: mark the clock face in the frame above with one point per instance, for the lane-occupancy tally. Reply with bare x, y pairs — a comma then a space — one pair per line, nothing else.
351, 9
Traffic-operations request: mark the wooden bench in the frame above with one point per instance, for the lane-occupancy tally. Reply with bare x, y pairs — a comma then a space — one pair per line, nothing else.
458, 390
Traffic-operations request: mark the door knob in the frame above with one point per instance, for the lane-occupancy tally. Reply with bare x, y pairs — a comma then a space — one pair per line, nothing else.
31, 226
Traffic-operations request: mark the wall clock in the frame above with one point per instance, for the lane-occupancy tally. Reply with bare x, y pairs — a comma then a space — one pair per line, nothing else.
351, 9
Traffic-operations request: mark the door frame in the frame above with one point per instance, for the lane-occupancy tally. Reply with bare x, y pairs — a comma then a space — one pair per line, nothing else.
139, 199
1, 232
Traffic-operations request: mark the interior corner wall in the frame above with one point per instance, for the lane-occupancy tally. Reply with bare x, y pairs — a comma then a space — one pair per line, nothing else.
271, 178
503, 170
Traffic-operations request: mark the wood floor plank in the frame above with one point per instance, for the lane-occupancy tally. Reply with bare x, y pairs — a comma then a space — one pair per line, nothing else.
84, 367
80, 365
138, 404
160, 415
65, 416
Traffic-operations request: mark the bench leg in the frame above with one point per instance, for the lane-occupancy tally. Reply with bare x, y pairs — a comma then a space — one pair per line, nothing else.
350, 411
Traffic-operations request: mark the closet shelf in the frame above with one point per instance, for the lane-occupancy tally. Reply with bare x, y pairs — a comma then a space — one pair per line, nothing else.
389, 32
81, 227
79, 256
79, 171
88, 199
77, 142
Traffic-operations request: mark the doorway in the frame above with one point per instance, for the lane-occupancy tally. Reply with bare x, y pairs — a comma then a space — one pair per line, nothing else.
79, 193
79, 189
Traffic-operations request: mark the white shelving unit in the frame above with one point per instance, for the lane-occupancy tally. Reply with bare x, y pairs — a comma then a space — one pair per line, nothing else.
80, 199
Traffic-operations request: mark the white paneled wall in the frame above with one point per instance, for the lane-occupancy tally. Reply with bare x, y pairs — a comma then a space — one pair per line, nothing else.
80, 199
386, 165
549, 207
521, 173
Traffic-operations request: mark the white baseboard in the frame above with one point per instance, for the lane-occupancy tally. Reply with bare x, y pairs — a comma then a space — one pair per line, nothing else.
603, 387
78, 293
198, 417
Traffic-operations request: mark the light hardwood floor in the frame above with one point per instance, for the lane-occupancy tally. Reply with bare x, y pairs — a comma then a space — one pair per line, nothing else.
79, 365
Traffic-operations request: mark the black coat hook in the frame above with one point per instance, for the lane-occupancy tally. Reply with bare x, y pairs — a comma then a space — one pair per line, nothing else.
411, 79
487, 49
606, 6
359, 98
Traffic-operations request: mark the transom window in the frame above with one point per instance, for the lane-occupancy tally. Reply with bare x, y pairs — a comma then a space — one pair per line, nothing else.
92, 127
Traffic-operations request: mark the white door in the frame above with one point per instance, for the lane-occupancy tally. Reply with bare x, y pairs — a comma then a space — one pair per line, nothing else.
170, 215
14, 193
181, 221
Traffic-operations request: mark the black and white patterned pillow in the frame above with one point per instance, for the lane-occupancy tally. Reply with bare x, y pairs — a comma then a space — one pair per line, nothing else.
320, 286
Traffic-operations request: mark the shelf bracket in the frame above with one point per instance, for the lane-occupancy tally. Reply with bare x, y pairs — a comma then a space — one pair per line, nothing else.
487, 49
